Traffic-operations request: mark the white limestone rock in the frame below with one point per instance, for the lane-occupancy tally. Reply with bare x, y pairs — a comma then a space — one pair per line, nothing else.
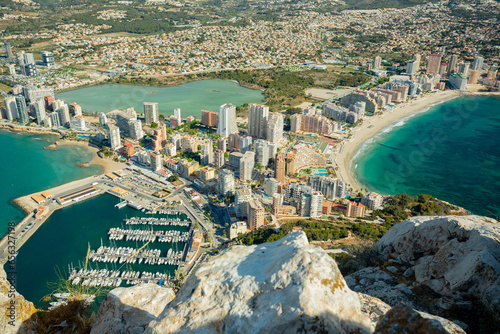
130, 310
455, 256
287, 286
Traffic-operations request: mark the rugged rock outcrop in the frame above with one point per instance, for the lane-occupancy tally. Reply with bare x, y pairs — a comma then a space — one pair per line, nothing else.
286, 286
403, 319
130, 310
14, 309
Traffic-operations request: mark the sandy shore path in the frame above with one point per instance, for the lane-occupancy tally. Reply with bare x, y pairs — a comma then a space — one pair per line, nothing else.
108, 164
372, 125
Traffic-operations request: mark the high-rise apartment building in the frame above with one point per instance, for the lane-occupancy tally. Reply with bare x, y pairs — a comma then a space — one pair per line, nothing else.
55, 120
77, 123
177, 114
135, 130
233, 141
411, 67
274, 130
434, 63
279, 168
219, 158
207, 152
258, 116
156, 161
328, 186
63, 112
11, 108
225, 183
151, 113
227, 120
22, 109
261, 150
473, 77
311, 205
209, 118
28, 65
103, 119
377, 62
452, 65
40, 111
463, 68
123, 121
221, 144
417, 59
75, 109
241, 200
245, 144
114, 136
247, 163
478, 63
8, 50
256, 214
48, 59
270, 186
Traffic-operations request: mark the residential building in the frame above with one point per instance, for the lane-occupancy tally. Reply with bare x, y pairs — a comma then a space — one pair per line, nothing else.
77, 123
55, 121
261, 152
311, 205
48, 59
329, 187
274, 130
372, 200
247, 163
355, 210
103, 119
176, 139
207, 174
284, 210
277, 199
124, 119
241, 199
156, 161
233, 141
177, 114
360, 96
279, 168
225, 183
187, 168
478, 63
22, 109
235, 229
313, 123
151, 113
135, 130
411, 67
473, 77
227, 120
207, 152
458, 81
377, 62
463, 68
75, 109
434, 63
235, 158
8, 50
64, 117
170, 149
40, 111
221, 144
11, 108
256, 214
245, 144
270, 186
27, 65
114, 136
302, 156
452, 65
293, 193
219, 158
258, 116
209, 118
171, 164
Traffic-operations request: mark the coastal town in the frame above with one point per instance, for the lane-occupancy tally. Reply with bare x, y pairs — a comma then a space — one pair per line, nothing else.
181, 185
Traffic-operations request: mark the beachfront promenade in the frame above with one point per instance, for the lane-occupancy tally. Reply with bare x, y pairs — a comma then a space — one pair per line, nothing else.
22, 231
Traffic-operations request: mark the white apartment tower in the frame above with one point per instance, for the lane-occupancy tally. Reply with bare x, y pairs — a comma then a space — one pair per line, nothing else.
274, 129
114, 136
258, 115
151, 112
227, 120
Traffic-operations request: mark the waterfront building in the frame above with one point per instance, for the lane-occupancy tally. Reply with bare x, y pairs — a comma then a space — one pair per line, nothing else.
39, 106
247, 163
452, 65
177, 114
458, 81
22, 109
207, 152
235, 229
225, 183
103, 120
233, 141
279, 168
302, 156
221, 144
411, 67
358, 108
434, 63
261, 152
311, 205
151, 113
270, 186
417, 59
219, 158
190, 119
335, 111
360, 96
258, 116
75, 109
11, 108
124, 120
235, 158
77, 123
32, 93
474, 77
114, 136
209, 118
274, 130
256, 214
313, 123
48, 101
328, 186
54, 119
48, 59
354, 209
135, 130
478, 63
174, 122
442, 69
241, 199
372, 200
245, 144
227, 120
63, 112
156, 161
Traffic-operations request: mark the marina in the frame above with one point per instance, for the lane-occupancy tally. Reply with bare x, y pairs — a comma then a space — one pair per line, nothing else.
157, 221
115, 278
132, 255
147, 235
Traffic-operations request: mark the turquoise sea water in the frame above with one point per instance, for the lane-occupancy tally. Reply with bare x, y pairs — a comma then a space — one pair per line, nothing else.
451, 151
191, 98
26, 167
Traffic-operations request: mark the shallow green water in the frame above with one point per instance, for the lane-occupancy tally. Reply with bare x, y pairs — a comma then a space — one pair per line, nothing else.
451, 151
191, 98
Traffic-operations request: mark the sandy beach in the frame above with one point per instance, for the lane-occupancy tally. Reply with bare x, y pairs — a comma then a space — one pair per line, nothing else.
362, 133
108, 164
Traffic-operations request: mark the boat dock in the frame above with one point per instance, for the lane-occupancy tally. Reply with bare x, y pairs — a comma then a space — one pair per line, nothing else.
147, 235
114, 278
132, 255
157, 221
